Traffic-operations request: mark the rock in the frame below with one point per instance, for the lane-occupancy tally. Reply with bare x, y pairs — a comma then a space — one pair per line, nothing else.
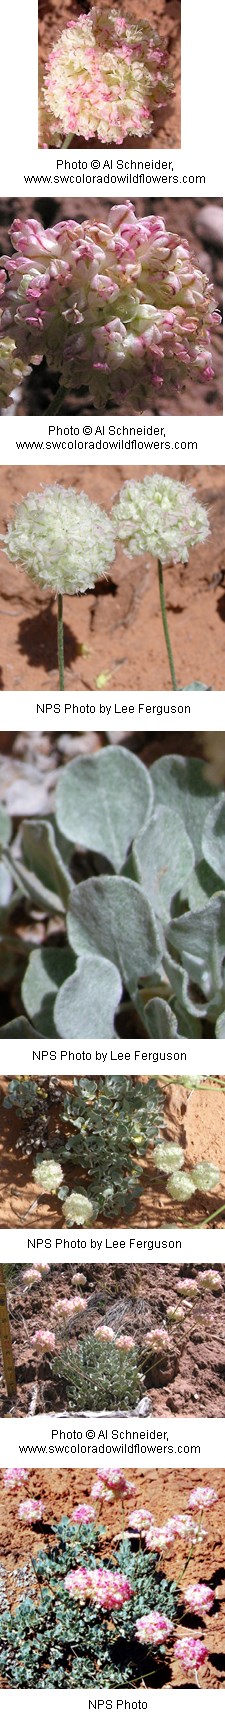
209, 224
144, 1406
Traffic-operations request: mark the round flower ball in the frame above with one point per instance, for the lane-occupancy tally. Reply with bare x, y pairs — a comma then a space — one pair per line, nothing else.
190, 1652
77, 1209
118, 308
62, 539
153, 1628
106, 77
199, 1597
159, 515
48, 1175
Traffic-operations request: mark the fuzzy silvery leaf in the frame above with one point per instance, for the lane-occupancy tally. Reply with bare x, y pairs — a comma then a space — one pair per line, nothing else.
86, 1005
48, 967
112, 917
161, 1020
6, 886
220, 1025
213, 838
17, 1028
163, 857
5, 828
181, 785
201, 886
50, 880
102, 801
199, 939
182, 989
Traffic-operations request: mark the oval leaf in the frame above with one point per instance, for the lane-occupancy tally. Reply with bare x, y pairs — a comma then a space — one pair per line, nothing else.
102, 801
87, 1003
182, 786
164, 858
47, 969
113, 918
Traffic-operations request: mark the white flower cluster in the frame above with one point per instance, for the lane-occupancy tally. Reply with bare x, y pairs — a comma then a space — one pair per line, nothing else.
62, 539
161, 516
48, 1175
77, 1209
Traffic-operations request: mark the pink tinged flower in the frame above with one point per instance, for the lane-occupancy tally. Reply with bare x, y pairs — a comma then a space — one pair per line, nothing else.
153, 1628
199, 1597
190, 1652
67, 1307
12, 1476
157, 1538
140, 1520
44, 1339
125, 1342
110, 1589
78, 1582
105, 1333
117, 1481
182, 1525
202, 1497
31, 1276
31, 1510
83, 1513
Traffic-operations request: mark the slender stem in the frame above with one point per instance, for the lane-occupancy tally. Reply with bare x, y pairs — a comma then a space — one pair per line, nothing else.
57, 403
211, 1218
60, 641
68, 140
165, 624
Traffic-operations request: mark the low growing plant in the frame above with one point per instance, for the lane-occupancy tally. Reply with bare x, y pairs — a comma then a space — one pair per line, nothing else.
131, 866
97, 1374
89, 1620
55, 1641
103, 1132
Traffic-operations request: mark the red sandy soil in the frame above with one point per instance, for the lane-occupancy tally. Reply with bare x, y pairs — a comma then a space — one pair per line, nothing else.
194, 219
159, 1491
164, 17
189, 1380
119, 623
195, 1120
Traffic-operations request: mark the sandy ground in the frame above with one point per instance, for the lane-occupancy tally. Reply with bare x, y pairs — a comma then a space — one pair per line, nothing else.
165, 18
188, 1380
160, 1492
194, 219
119, 624
194, 1121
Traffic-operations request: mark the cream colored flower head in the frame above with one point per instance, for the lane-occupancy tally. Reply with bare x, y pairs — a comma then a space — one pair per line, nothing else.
160, 515
62, 539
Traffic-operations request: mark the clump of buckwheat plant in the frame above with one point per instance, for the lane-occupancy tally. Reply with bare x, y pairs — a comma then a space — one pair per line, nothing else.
107, 76
64, 542
118, 309
160, 516
104, 1131
100, 1372
95, 1622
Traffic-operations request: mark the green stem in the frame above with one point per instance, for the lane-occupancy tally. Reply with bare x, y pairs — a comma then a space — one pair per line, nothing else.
60, 642
165, 624
68, 140
211, 1218
57, 403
